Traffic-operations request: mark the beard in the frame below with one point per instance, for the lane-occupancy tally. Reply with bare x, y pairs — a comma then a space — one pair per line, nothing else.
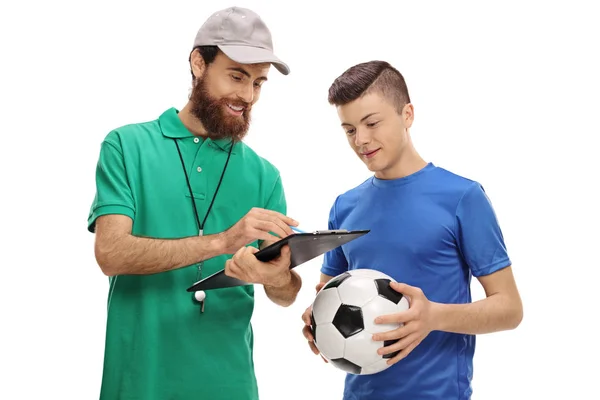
213, 115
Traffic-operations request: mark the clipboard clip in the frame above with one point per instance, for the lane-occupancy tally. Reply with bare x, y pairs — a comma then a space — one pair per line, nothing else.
331, 231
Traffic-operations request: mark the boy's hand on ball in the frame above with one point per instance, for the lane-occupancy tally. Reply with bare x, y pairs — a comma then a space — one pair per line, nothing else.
416, 323
245, 266
307, 331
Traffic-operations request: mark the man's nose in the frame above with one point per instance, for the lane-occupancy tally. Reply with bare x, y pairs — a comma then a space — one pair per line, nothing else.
247, 94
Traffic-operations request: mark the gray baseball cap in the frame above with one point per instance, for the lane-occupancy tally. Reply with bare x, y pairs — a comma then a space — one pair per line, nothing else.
242, 35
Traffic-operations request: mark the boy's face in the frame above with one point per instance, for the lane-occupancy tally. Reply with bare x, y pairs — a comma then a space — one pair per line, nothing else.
376, 132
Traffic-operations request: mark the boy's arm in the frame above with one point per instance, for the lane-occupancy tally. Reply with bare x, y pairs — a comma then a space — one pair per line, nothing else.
481, 245
501, 309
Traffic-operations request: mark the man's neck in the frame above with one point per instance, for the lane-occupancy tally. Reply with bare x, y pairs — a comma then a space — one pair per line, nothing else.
190, 122
408, 163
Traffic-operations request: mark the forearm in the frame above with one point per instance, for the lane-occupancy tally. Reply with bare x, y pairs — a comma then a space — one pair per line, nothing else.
132, 255
285, 295
492, 314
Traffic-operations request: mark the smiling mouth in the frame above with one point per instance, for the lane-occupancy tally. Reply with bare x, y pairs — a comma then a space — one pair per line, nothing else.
370, 154
236, 110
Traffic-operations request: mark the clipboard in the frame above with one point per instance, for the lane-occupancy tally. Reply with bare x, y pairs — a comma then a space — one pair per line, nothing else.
304, 247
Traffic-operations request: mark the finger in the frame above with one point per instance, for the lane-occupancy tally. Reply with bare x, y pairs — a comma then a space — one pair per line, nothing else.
404, 352
230, 269
314, 348
307, 332
319, 286
399, 345
245, 256
250, 250
272, 226
238, 254
393, 334
410, 291
306, 316
281, 225
311, 342
265, 236
401, 317
286, 220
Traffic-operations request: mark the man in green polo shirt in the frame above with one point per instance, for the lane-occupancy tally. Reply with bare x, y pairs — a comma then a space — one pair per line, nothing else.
180, 198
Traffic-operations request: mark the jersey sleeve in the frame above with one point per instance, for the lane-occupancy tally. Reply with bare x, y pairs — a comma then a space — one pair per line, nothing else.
478, 233
113, 193
334, 261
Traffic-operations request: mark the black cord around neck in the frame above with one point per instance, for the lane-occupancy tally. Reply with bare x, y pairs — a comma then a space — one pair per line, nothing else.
201, 226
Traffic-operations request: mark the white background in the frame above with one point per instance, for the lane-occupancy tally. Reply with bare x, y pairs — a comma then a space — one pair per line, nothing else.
505, 93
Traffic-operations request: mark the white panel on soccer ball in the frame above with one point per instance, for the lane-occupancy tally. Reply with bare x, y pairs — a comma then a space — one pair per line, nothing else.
361, 349
329, 341
376, 367
326, 305
377, 307
403, 304
370, 273
357, 290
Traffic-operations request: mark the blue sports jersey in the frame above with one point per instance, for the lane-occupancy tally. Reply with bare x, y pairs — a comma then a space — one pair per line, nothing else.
434, 230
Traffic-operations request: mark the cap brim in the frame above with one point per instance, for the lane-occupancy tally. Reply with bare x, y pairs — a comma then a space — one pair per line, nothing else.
254, 55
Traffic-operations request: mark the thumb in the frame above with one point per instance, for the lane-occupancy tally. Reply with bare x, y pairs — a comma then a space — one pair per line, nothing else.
252, 249
285, 251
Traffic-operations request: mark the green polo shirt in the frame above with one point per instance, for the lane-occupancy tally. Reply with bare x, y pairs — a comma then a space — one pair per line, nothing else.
159, 346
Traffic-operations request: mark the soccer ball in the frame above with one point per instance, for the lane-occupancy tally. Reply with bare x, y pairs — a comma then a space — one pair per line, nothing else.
343, 320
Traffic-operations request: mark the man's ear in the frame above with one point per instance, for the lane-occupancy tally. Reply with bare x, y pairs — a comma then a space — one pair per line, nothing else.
197, 64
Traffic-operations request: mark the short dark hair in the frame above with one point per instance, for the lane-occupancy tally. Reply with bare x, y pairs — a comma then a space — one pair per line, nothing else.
208, 53
368, 77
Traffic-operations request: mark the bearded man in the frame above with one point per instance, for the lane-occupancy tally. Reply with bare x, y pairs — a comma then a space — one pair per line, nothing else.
180, 198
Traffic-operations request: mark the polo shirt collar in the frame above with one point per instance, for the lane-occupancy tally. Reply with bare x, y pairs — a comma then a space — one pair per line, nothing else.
172, 127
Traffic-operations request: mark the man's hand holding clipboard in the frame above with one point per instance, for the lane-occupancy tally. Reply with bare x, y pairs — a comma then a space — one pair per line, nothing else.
303, 246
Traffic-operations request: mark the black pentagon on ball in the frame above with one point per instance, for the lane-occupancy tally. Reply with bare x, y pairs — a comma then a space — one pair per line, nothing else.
313, 326
348, 320
389, 343
337, 281
346, 365
385, 290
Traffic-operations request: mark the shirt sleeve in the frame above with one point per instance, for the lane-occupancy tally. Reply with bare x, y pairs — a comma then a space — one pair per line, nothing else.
276, 201
334, 261
113, 193
478, 233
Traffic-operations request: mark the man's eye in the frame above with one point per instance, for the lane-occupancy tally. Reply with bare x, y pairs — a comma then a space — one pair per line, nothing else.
236, 78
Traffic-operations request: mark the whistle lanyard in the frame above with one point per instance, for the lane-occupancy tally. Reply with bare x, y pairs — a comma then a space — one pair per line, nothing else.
187, 179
